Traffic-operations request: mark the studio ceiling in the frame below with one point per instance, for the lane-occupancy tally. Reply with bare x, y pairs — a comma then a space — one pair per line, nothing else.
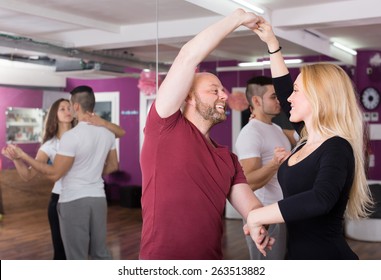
137, 33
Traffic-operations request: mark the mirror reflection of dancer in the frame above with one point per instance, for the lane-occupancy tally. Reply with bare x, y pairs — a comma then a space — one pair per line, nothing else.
58, 121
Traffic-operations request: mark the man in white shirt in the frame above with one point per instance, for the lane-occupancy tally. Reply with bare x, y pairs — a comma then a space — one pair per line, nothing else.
261, 147
86, 152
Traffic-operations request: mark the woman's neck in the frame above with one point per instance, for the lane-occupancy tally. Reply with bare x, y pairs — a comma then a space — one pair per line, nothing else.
62, 128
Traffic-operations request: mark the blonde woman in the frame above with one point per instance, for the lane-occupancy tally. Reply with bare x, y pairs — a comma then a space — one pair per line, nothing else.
324, 178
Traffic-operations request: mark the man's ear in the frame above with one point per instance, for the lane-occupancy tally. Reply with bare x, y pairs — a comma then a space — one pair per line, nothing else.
190, 99
256, 101
76, 107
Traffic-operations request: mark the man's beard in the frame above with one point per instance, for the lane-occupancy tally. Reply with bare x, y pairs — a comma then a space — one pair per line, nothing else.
209, 113
272, 113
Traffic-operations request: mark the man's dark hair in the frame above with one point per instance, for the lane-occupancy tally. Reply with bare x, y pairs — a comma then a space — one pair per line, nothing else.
260, 80
84, 95
256, 87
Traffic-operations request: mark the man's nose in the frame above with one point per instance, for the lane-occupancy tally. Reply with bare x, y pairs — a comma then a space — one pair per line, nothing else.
223, 95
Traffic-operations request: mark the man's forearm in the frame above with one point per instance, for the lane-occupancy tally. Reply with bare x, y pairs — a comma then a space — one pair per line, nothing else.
260, 177
109, 168
22, 169
41, 167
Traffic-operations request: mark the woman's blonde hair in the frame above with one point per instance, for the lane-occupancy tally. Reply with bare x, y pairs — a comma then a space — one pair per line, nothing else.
336, 112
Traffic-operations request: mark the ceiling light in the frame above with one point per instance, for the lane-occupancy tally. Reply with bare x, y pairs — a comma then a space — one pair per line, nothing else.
249, 6
344, 48
250, 64
267, 62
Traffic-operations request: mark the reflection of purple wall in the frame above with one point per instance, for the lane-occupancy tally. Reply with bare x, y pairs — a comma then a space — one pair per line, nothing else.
129, 120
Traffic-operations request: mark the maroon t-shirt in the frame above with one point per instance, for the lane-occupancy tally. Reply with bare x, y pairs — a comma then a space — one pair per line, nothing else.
185, 184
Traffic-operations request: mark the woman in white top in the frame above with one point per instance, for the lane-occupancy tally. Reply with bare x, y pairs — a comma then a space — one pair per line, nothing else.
58, 121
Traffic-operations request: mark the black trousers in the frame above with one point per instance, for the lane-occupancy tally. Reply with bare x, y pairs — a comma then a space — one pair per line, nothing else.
59, 251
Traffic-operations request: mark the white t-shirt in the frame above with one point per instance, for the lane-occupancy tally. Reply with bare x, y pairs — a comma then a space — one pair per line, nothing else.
258, 139
89, 145
50, 148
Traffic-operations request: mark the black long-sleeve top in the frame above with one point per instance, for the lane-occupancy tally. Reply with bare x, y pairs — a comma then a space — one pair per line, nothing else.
316, 192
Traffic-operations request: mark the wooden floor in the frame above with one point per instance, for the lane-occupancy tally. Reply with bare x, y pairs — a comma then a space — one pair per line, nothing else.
25, 234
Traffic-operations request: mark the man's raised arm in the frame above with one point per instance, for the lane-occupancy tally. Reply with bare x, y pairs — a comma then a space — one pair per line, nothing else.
178, 81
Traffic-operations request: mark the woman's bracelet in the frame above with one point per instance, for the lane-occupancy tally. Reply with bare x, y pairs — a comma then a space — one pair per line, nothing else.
275, 51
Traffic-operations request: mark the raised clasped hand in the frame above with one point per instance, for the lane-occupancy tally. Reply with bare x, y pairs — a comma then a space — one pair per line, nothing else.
252, 20
265, 32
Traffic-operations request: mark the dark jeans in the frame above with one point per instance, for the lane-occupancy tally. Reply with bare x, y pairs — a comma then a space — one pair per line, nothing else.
59, 251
